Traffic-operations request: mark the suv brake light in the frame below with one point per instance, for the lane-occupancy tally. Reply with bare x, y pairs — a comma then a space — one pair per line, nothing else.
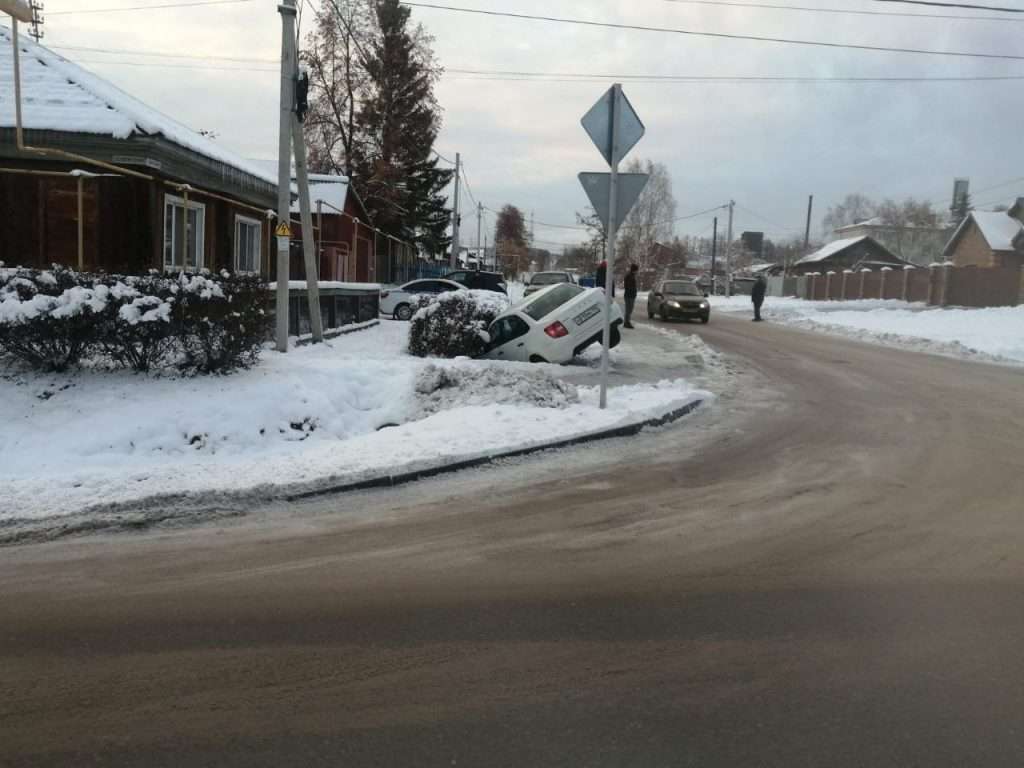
556, 330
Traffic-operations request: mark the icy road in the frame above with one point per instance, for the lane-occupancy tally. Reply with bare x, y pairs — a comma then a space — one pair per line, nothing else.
825, 570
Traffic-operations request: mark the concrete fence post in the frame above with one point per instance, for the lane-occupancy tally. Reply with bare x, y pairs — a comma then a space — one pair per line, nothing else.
828, 285
882, 281
946, 270
905, 292
844, 286
811, 286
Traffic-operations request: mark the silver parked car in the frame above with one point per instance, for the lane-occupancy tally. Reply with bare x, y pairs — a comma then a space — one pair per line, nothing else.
544, 279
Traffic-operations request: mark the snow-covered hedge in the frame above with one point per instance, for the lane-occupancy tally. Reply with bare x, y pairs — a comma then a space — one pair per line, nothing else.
454, 324
52, 319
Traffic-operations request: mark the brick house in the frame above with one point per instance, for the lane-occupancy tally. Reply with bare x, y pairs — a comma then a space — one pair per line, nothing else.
989, 239
106, 182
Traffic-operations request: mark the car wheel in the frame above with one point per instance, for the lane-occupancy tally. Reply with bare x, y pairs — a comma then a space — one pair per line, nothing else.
650, 313
705, 319
403, 312
663, 314
616, 337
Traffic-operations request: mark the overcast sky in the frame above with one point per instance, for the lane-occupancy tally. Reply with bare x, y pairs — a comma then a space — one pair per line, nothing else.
767, 146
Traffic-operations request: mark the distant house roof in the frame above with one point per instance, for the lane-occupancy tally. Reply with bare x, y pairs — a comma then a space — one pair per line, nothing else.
831, 249
58, 95
755, 268
876, 222
331, 190
999, 229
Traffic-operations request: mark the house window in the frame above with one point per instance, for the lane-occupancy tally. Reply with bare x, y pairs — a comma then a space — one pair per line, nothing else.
184, 235
247, 244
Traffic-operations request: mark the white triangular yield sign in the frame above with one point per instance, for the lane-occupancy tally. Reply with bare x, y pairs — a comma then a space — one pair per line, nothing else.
596, 185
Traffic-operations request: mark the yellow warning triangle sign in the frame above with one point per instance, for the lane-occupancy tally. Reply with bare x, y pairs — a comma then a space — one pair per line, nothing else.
283, 230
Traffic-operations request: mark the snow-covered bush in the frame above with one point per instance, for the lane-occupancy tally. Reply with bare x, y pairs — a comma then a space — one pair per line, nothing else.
51, 319
222, 321
454, 324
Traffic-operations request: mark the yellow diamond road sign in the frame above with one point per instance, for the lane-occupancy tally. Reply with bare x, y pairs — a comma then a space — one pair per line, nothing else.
283, 230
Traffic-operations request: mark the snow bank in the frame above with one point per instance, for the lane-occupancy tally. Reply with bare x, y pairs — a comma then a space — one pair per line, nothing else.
321, 415
995, 332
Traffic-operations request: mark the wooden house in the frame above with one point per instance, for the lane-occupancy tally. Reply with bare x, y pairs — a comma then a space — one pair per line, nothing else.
989, 239
854, 253
105, 182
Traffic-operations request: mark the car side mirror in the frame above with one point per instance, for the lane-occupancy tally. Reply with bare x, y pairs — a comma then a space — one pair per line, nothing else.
705, 294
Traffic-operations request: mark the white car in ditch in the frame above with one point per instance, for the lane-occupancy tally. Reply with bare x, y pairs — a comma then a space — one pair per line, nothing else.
552, 326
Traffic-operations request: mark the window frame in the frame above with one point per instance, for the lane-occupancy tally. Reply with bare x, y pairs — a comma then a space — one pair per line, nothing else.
258, 257
173, 201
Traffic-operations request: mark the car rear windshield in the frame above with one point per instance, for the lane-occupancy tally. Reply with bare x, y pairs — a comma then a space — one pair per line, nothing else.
682, 289
549, 279
548, 301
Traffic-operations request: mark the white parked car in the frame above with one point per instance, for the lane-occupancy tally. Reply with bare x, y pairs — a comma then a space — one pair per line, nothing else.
400, 303
552, 326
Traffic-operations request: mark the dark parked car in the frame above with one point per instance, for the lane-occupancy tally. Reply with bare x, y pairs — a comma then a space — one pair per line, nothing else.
484, 281
678, 298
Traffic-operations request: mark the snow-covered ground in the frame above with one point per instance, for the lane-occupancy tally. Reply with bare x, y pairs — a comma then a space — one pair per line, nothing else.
328, 414
995, 333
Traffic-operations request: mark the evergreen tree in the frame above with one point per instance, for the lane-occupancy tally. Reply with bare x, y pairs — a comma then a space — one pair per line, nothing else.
395, 170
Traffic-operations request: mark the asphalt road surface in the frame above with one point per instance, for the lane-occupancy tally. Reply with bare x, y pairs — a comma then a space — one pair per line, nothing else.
830, 574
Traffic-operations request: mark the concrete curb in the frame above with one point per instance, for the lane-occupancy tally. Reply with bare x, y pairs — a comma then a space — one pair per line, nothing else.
302, 341
390, 481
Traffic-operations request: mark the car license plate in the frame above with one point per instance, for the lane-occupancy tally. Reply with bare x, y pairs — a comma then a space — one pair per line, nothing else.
589, 312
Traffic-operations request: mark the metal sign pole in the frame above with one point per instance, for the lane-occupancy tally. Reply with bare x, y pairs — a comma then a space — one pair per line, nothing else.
609, 272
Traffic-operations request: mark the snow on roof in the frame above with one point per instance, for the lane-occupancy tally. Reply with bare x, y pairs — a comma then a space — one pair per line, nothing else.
762, 267
58, 95
874, 221
831, 250
332, 190
998, 229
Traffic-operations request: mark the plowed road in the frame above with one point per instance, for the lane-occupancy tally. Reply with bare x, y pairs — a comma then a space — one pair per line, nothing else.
831, 575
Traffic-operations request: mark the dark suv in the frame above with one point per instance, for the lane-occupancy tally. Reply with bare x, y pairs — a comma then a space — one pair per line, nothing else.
485, 281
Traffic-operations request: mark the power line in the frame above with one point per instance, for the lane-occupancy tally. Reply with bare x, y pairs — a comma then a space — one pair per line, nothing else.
715, 35
160, 55
955, 5
147, 7
513, 75
842, 11
582, 77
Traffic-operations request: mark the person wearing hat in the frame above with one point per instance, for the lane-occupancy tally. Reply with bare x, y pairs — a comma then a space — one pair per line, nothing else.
630, 294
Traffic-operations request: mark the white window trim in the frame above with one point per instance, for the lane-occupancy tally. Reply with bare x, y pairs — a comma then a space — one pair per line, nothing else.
200, 256
239, 219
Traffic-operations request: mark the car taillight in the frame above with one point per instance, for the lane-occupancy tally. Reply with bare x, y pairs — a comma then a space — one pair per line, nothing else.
556, 330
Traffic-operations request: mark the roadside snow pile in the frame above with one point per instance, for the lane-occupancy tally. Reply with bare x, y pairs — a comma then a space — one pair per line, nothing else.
441, 388
994, 333
77, 447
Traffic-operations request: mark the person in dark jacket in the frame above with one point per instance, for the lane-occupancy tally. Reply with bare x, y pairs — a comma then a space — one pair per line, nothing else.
630, 294
757, 296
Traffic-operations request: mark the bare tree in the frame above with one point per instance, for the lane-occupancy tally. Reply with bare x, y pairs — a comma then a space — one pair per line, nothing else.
855, 208
650, 221
335, 56
510, 242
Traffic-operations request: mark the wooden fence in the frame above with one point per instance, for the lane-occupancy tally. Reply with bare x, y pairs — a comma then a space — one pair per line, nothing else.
939, 285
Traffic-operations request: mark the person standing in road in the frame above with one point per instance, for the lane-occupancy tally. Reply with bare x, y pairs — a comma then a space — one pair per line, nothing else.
757, 296
630, 294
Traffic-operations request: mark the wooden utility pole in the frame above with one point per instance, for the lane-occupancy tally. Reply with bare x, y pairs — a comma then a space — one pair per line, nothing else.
807, 232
